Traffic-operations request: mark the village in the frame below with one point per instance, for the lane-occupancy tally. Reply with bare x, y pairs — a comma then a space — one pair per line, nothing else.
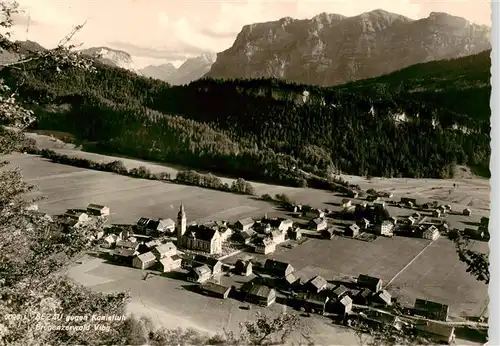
203, 254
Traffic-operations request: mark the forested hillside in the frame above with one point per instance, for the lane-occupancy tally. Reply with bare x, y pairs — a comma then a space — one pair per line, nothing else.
276, 131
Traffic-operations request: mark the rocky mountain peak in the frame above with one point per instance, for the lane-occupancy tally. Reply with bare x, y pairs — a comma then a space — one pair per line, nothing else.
331, 49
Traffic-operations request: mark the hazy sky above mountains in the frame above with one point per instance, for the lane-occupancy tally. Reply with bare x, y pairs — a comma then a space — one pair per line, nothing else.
160, 31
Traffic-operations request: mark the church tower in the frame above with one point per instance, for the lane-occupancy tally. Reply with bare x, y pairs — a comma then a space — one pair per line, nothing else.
181, 223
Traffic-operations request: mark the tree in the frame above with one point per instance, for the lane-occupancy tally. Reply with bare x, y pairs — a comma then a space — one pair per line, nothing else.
477, 263
34, 251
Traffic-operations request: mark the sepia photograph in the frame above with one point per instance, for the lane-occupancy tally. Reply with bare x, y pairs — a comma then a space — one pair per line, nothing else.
246, 172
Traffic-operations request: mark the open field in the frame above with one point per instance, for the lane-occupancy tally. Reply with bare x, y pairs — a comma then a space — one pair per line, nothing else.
473, 193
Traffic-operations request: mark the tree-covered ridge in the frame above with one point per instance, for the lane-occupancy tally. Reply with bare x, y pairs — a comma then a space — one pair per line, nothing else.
272, 130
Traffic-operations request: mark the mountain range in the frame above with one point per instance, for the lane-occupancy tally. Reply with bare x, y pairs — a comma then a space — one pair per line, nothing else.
331, 49
328, 49
192, 69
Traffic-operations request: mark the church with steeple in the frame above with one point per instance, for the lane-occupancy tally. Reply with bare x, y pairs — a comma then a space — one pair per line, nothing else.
196, 237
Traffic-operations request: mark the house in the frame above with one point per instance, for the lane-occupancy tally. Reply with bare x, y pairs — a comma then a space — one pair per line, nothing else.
339, 292
385, 228
431, 310
352, 231
97, 210
315, 303
431, 233
167, 225
258, 294
244, 224
225, 233
201, 238
245, 236
466, 212
372, 198
316, 284
352, 193
152, 243
215, 290
243, 267
476, 234
314, 213
124, 255
382, 297
264, 245
436, 213
379, 204
328, 233
214, 264
370, 282
200, 274
278, 236
318, 224
282, 224
125, 244
346, 203
291, 279
262, 227
277, 268
144, 261
409, 201
164, 250
363, 223
485, 221
411, 220
109, 241
170, 263
437, 332
342, 306
363, 297
443, 209
295, 234
78, 216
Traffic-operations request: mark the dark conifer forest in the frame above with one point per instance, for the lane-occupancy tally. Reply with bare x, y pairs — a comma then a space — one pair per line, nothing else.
270, 130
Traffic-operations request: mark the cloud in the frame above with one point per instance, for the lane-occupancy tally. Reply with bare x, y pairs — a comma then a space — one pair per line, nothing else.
214, 34
174, 53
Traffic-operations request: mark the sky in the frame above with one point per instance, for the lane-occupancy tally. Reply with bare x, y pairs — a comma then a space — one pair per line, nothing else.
161, 31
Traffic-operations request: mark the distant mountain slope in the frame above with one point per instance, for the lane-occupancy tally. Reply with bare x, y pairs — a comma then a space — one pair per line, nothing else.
331, 49
271, 130
192, 69
112, 57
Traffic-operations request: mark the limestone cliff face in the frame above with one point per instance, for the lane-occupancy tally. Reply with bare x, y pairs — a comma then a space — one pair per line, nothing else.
332, 49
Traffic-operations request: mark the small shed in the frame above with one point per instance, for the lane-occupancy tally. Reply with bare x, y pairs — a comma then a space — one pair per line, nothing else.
339, 292
316, 284
264, 245
370, 282
243, 267
215, 290
144, 261
466, 212
437, 332
164, 250
318, 224
244, 224
259, 294
278, 268
352, 231
97, 210
383, 297
432, 310
170, 263
328, 233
